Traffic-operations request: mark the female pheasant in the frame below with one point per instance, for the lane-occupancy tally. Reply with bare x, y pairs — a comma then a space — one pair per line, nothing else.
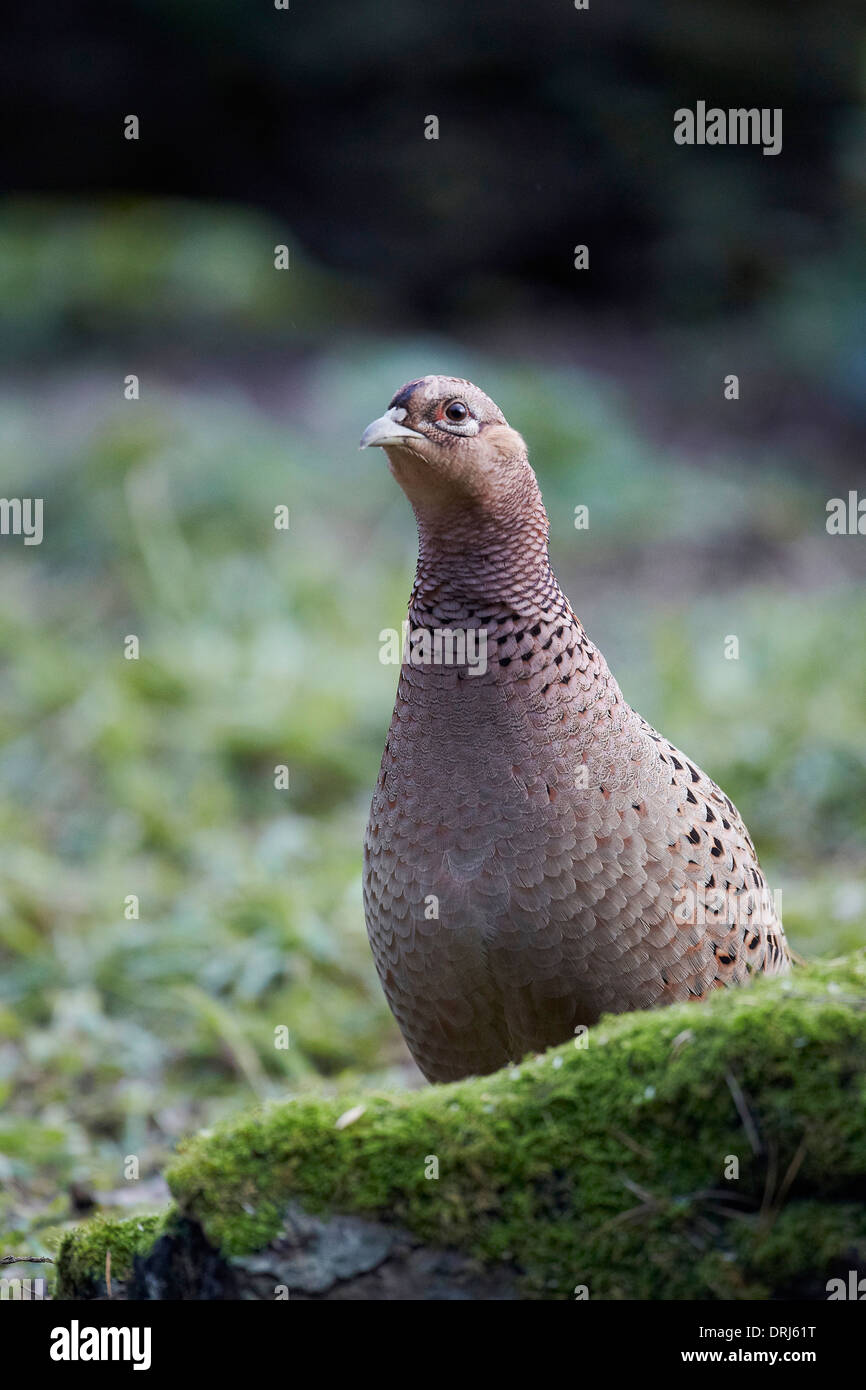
536, 853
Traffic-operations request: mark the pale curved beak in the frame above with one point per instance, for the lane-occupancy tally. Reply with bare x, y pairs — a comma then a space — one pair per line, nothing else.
387, 430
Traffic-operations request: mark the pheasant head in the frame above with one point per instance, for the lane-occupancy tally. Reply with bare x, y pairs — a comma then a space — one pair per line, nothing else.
481, 521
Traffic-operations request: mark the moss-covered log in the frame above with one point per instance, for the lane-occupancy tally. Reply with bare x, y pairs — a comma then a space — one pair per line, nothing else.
702, 1151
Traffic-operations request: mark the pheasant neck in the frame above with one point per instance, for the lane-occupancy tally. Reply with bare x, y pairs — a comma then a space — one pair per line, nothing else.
472, 563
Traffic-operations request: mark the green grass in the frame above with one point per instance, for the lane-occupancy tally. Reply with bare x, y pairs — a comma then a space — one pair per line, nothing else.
260, 648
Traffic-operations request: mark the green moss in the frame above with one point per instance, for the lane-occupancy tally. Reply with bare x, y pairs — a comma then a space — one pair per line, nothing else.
81, 1259
607, 1165
602, 1166
803, 1244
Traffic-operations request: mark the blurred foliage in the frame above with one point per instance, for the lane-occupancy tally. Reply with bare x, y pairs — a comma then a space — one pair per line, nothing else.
260, 647
76, 272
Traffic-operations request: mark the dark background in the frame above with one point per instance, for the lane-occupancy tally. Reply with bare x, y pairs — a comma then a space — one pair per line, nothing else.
554, 124
556, 128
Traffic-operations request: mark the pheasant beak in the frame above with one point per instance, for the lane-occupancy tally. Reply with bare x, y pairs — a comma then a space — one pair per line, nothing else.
387, 430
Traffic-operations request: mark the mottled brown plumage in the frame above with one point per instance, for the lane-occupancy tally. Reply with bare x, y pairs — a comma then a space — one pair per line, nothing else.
536, 853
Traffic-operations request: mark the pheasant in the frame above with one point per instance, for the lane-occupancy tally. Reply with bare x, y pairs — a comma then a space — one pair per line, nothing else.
536, 853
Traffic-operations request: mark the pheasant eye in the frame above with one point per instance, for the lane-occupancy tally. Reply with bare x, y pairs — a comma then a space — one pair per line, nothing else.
456, 412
